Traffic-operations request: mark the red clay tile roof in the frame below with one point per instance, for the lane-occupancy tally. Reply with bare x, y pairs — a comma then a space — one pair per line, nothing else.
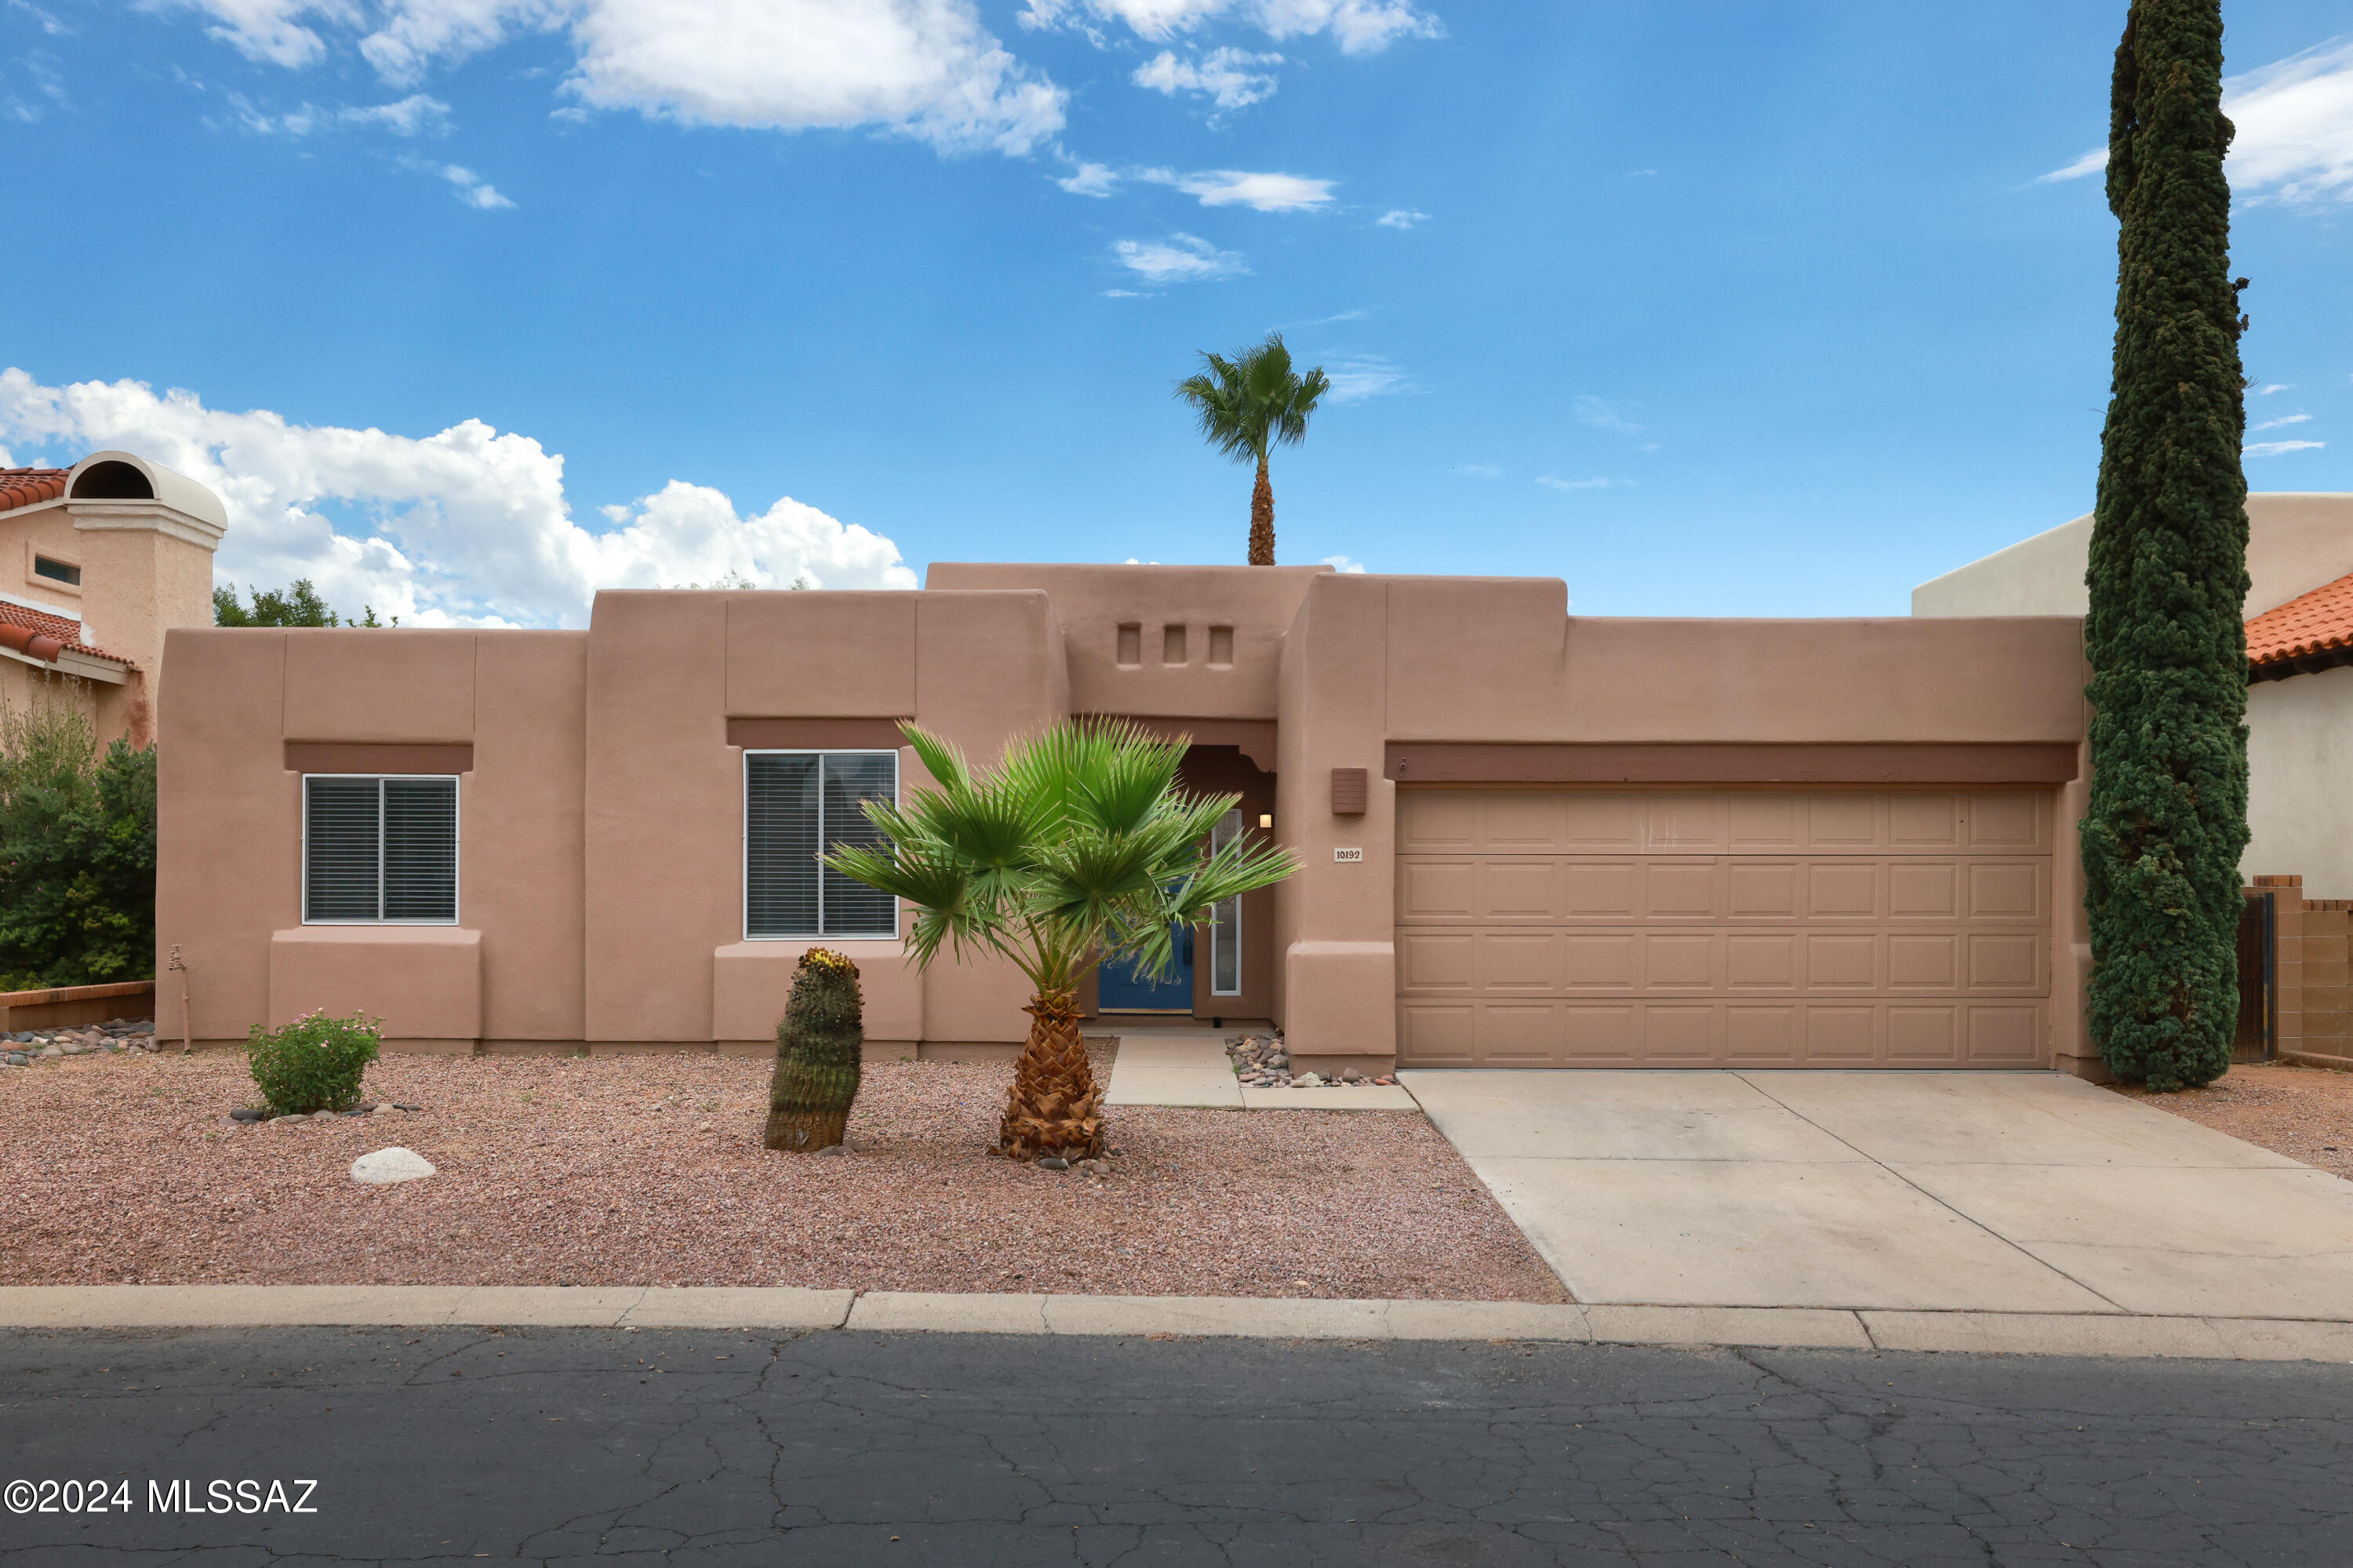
2313, 623
68, 632
24, 486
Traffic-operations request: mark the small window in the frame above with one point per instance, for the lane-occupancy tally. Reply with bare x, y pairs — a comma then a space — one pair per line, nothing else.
796, 805
379, 850
1225, 919
57, 571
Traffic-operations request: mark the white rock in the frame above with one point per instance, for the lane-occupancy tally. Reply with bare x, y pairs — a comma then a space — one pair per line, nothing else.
1307, 1081
391, 1165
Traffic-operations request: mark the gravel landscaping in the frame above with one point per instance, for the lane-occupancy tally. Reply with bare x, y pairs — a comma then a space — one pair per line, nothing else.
648, 1170
2305, 1113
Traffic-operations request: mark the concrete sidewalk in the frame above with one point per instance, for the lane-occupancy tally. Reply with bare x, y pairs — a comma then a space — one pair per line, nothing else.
1189, 1067
2001, 1194
116, 1307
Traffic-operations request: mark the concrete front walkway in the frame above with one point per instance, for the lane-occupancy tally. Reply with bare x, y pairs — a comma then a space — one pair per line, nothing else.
1189, 1067
1993, 1193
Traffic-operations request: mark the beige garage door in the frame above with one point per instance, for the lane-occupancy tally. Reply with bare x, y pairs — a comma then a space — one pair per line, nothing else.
1696, 928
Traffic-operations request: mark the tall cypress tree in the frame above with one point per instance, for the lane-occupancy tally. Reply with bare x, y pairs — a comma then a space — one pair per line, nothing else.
2168, 574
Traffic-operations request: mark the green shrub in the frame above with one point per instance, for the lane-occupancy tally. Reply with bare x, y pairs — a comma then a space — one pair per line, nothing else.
76, 851
314, 1064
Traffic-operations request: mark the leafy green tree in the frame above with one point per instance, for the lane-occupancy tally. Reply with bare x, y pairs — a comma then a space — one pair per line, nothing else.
2168, 574
76, 852
1247, 406
1078, 847
297, 606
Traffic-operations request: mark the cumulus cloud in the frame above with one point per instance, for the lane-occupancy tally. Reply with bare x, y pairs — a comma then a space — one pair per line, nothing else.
472, 189
928, 68
1179, 259
1238, 187
1090, 180
1359, 27
2295, 120
2274, 449
1341, 564
468, 526
1234, 79
1401, 218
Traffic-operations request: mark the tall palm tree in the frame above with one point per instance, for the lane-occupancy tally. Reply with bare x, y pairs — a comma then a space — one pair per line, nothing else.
1247, 405
1080, 847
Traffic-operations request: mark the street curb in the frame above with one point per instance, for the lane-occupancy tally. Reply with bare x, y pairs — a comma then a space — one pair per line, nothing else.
1176, 1317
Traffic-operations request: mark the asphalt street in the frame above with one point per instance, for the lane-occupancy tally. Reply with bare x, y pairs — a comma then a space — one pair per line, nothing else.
693, 1447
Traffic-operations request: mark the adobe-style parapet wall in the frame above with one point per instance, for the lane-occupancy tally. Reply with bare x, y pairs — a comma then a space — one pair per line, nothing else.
1371, 663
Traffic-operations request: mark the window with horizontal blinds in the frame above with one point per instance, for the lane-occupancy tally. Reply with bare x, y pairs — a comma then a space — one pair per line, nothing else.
796, 805
379, 850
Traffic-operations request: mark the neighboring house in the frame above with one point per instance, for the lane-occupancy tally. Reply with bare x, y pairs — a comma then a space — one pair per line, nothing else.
97, 562
2300, 651
1527, 839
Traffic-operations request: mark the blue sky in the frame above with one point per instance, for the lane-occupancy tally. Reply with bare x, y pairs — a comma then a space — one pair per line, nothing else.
1707, 309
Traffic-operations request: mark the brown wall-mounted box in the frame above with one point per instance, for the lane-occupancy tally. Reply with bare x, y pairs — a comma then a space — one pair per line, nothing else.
1347, 791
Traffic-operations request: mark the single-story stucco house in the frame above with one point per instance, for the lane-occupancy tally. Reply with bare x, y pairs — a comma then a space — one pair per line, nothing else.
1529, 838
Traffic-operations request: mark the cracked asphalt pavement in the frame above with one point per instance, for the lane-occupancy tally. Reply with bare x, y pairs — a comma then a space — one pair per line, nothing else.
561, 1445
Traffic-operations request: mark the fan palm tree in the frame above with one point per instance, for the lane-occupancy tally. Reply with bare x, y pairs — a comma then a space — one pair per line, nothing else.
1078, 848
1247, 405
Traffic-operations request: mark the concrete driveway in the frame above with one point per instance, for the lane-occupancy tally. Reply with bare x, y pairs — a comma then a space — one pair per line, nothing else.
1963, 1192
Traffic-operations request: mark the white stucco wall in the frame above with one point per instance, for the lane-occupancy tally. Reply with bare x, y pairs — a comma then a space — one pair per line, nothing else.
2300, 781
2296, 541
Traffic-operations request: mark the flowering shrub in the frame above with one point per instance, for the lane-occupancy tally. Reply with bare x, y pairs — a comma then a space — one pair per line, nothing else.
314, 1064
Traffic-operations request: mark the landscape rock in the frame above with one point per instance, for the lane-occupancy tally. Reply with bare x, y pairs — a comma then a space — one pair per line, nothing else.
1307, 1081
248, 1113
1053, 1162
391, 1165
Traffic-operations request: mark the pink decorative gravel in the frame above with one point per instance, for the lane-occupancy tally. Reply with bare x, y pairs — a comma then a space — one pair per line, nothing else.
560, 1170
2305, 1113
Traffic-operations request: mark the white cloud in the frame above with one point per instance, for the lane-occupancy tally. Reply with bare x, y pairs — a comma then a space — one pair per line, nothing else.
1237, 188
1232, 77
1342, 564
1401, 218
1092, 180
2274, 386
1179, 259
1120, 294
1553, 481
472, 189
2274, 449
415, 115
2283, 419
1359, 26
47, 21
1602, 415
2295, 121
921, 68
1354, 380
465, 527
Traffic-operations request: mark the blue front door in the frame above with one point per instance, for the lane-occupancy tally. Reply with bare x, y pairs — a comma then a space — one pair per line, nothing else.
1121, 990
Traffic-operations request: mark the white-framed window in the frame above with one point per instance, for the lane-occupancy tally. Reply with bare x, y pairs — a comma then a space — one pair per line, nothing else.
1225, 919
379, 849
796, 805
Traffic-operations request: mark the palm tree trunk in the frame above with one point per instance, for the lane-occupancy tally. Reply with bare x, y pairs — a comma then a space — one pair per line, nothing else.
1053, 1108
1261, 518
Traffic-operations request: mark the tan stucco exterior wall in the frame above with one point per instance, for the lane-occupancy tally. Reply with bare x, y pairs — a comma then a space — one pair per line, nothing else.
2296, 541
2299, 730
600, 822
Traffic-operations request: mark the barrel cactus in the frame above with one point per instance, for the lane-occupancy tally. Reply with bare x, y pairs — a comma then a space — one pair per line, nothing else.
818, 1046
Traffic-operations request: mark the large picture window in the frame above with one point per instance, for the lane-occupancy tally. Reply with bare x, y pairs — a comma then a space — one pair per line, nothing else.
796, 805
379, 850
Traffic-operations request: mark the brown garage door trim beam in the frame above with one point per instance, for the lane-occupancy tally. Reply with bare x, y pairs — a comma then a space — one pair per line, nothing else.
1893, 762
